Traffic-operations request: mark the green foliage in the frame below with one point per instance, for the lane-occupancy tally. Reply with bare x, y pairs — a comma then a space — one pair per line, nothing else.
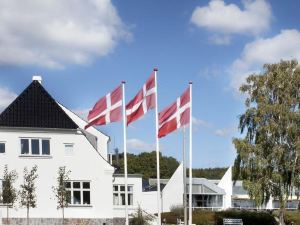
9, 192
145, 163
248, 217
293, 218
60, 190
27, 192
140, 217
209, 173
268, 155
204, 217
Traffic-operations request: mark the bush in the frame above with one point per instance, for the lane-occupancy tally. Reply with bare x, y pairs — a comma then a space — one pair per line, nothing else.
248, 217
292, 218
204, 217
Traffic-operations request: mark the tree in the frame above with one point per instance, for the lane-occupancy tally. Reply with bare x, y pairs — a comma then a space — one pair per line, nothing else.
27, 192
60, 191
268, 155
9, 192
140, 217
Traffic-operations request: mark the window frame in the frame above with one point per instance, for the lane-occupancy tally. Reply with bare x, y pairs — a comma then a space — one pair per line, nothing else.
70, 153
81, 190
119, 193
3, 142
40, 140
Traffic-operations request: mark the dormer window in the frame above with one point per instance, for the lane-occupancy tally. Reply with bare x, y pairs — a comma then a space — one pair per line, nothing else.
35, 146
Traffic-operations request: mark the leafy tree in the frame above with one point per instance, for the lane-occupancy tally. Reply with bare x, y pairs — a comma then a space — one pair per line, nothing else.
268, 155
27, 192
140, 217
60, 191
209, 173
145, 163
9, 192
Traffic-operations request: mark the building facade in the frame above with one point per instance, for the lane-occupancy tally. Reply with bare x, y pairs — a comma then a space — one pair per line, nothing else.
36, 130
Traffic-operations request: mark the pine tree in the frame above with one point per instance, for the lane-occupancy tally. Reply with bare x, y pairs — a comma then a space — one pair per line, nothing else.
268, 155
60, 191
9, 192
28, 188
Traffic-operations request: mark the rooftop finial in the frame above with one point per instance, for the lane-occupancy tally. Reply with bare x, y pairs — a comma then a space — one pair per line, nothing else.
37, 78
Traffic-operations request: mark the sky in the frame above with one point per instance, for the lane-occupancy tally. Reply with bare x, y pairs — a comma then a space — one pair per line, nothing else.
84, 49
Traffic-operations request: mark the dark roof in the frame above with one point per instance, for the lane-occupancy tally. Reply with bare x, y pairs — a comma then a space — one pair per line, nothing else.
35, 107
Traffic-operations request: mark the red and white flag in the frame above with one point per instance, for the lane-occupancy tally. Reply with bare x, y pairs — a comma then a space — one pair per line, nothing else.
175, 116
108, 109
143, 101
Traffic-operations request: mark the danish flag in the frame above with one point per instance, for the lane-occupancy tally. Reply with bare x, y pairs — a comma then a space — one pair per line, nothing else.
175, 115
143, 101
108, 109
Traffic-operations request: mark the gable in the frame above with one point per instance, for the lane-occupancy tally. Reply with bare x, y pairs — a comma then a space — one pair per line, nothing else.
34, 107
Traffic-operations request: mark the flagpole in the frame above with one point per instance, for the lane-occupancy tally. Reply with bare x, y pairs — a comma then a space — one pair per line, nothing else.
125, 153
157, 154
191, 156
184, 174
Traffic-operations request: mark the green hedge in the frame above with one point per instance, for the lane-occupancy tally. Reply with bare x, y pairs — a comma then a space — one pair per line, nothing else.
203, 217
248, 217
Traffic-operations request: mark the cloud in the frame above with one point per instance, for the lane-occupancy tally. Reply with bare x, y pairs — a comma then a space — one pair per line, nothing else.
54, 33
227, 19
200, 123
6, 97
223, 132
139, 145
285, 45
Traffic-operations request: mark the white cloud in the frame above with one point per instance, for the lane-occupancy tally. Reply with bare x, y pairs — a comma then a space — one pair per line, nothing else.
223, 132
6, 97
54, 33
285, 45
200, 123
228, 19
139, 145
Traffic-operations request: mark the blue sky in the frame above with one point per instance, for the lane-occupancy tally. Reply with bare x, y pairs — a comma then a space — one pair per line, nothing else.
83, 52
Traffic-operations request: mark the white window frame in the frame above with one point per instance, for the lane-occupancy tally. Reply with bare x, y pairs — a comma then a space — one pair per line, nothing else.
40, 147
81, 189
119, 192
69, 153
3, 142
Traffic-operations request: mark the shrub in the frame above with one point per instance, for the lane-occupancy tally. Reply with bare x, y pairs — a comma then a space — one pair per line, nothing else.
248, 217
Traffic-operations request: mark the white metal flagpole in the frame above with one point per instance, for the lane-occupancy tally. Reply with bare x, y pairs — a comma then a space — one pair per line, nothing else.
125, 153
184, 175
157, 154
191, 156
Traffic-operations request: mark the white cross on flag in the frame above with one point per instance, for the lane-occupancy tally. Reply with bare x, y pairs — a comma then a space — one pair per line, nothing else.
143, 101
108, 109
175, 115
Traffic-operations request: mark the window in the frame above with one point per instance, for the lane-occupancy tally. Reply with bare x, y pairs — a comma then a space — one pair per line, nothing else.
119, 194
79, 192
2, 147
35, 146
69, 149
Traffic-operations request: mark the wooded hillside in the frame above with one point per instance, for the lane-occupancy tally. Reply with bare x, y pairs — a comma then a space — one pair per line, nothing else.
145, 163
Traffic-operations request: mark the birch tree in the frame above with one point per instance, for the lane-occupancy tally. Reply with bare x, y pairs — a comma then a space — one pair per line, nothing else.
268, 153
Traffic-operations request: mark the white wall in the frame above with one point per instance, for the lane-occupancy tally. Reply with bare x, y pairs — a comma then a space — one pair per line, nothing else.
149, 202
136, 182
102, 139
172, 194
226, 184
85, 164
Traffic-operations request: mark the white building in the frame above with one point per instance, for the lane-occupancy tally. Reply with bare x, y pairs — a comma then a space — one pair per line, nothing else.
36, 130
